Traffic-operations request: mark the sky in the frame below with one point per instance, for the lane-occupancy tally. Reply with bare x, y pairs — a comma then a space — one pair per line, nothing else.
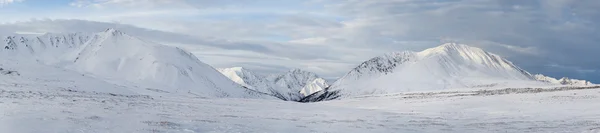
330, 37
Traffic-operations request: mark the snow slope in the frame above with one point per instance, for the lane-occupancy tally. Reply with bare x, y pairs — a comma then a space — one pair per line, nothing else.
115, 56
296, 84
31, 74
249, 79
449, 66
291, 86
50, 48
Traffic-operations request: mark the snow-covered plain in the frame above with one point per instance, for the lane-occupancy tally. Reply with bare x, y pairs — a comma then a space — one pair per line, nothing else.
37, 107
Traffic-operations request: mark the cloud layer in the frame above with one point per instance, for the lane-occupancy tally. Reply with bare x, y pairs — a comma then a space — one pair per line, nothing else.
553, 37
4, 2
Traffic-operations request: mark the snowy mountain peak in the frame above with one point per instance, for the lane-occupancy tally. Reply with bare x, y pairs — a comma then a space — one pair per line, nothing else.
244, 77
562, 81
232, 69
456, 46
114, 55
113, 31
467, 55
446, 66
383, 64
456, 49
297, 71
292, 85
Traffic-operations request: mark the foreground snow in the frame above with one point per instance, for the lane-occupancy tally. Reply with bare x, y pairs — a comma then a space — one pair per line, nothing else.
30, 109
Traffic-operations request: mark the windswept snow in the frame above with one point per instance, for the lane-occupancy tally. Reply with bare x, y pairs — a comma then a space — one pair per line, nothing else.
291, 86
30, 108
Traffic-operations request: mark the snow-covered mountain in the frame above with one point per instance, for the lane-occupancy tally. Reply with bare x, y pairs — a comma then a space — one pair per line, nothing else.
296, 84
250, 80
449, 66
292, 85
48, 48
114, 55
562, 81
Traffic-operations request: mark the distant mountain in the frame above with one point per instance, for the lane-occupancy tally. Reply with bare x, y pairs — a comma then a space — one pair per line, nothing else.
117, 56
250, 80
562, 81
291, 86
449, 66
296, 84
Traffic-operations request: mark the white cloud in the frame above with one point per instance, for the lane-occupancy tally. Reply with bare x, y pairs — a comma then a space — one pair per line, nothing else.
308, 34
124, 3
266, 56
5, 2
310, 41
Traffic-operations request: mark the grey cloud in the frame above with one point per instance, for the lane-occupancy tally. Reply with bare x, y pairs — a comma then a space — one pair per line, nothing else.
560, 31
264, 68
532, 33
274, 49
66, 26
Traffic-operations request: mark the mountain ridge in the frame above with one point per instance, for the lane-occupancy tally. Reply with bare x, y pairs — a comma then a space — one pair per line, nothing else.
115, 55
448, 66
291, 85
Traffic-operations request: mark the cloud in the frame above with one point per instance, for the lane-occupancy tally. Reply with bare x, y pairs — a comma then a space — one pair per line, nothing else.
530, 33
6, 2
215, 51
125, 3
331, 37
138, 4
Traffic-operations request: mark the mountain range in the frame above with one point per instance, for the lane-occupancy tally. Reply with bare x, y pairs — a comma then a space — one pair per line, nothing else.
118, 58
449, 66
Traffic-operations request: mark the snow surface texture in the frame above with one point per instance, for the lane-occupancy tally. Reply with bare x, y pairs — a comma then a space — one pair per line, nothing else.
116, 56
290, 86
34, 108
449, 66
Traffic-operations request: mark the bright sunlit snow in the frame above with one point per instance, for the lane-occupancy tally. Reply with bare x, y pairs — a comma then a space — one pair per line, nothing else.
449, 66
